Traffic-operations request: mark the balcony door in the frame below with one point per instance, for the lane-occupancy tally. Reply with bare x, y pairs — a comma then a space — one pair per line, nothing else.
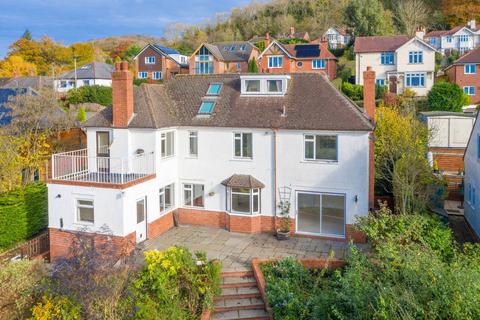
141, 230
103, 151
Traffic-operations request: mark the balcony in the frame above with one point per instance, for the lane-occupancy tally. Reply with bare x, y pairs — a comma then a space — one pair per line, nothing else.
78, 167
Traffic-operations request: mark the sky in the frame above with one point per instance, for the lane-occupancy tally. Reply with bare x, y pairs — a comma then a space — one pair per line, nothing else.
71, 21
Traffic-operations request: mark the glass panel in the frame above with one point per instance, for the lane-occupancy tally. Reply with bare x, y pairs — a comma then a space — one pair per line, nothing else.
214, 88
308, 212
326, 147
193, 148
206, 107
140, 211
309, 150
170, 143
169, 196
256, 200
85, 203
333, 214
274, 85
241, 202
85, 214
198, 195
187, 195
161, 199
252, 85
238, 145
102, 143
247, 145
163, 145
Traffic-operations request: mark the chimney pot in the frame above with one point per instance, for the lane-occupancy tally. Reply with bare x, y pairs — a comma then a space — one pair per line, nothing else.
267, 39
292, 31
117, 66
124, 65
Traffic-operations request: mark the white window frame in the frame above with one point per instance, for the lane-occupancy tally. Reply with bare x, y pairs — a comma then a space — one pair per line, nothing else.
449, 39
190, 187
155, 73
150, 60
252, 193
263, 88
468, 90
322, 62
240, 138
162, 199
305, 140
467, 69
415, 74
142, 75
77, 211
380, 82
271, 59
192, 137
385, 55
164, 141
415, 57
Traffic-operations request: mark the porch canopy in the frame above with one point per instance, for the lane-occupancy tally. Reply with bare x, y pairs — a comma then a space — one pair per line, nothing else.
243, 181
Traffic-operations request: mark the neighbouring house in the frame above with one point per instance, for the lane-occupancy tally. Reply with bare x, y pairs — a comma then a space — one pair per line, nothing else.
337, 37
218, 150
95, 73
450, 132
399, 62
290, 58
35, 83
293, 34
472, 179
461, 38
223, 57
158, 62
465, 72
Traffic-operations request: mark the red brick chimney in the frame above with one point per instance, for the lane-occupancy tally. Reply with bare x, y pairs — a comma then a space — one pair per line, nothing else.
122, 95
267, 39
292, 31
369, 107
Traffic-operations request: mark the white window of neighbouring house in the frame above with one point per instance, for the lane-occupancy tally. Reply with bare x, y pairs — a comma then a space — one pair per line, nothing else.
252, 85
387, 58
449, 39
415, 57
470, 68
380, 82
318, 64
193, 143
167, 144
275, 61
150, 60
193, 195
415, 80
85, 211
321, 213
470, 90
320, 147
157, 75
142, 75
274, 85
165, 197
244, 200
464, 38
243, 145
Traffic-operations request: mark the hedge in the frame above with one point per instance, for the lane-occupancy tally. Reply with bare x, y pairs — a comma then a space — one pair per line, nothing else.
23, 213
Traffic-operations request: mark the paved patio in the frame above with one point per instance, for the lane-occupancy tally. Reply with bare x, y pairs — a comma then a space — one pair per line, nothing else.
237, 249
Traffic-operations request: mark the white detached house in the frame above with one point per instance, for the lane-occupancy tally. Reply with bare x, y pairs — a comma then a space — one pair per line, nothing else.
399, 62
215, 150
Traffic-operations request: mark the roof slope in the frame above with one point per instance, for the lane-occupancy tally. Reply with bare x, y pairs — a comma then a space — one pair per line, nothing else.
470, 57
166, 50
311, 103
36, 82
379, 43
94, 70
230, 51
324, 53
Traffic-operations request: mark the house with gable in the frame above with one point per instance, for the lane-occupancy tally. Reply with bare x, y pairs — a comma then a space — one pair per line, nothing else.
158, 62
465, 72
215, 150
337, 37
460, 38
95, 73
399, 62
301, 57
222, 57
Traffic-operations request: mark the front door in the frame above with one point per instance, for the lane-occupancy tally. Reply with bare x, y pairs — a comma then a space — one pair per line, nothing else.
392, 85
103, 151
141, 230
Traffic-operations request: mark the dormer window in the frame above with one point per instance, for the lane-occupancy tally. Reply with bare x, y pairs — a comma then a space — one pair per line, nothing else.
264, 85
206, 108
214, 89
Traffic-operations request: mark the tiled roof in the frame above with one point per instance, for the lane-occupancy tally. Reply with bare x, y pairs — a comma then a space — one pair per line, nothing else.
243, 181
94, 70
166, 50
440, 33
470, 57
230, 51
323, 54
311, 102
379, 43
26, 82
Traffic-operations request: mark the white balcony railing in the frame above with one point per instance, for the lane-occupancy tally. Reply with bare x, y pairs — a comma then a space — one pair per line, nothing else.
79, 166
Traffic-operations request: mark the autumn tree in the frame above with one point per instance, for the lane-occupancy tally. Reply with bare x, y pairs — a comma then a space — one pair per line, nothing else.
411, 14
368, 18
16, 66
459, 12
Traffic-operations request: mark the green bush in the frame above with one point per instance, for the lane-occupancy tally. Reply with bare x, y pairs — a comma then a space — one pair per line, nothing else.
353, 91
58, 307
91, 94
138, 82
81, 115
252, 66
174, 285
23, 213
446, 96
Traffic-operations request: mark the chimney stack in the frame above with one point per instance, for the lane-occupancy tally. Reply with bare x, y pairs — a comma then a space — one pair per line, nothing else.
122, 95
369, 107
420, 32
292, 31
472, 24
267, 39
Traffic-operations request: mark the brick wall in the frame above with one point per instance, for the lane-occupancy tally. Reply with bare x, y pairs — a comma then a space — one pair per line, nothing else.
449, 159
163, 64
161, 225
457, 75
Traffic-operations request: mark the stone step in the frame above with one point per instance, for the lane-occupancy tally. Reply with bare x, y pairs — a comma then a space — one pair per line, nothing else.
250, 314
237, 279
245, 273
237, 296
240, 290
238, 285
239, 302
258, 306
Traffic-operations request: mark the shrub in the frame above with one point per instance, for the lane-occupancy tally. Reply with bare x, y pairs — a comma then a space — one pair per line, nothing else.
446, 96
91, 94
81, 115
53, 308
252, 66
138, 82
19, 281
23, 213
174, 285
353, 91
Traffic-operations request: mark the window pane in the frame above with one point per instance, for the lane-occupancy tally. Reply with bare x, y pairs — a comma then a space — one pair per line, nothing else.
85, 203
241, 202
170, 143
238, 147
169, 196
247, 145
198, 195
309, 212
206, 107
333, 214
85, 214
187, 196
256, 200
274, 85
193, 143
326, 148
214, 88
252, 85
309, 150
161, 200
140, 211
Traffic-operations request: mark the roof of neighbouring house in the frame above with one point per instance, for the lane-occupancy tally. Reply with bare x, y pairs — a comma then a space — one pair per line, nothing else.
36, 82
231, 51
470, 57
6, 96
94, 70
379, 43
311, 102
295, 50
440, 33
167, 50
243, 181
428, 114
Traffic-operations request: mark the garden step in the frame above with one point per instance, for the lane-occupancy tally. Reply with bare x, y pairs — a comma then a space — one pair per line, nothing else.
237, 296
238, 285
259, 306
239, 302
245, 273
237, 279
240, 290
251, 314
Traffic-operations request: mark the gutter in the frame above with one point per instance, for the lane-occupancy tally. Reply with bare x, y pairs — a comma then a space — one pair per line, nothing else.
274, 130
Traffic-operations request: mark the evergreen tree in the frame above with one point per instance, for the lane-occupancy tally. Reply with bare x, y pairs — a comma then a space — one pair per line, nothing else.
368, 18
81, 115
252, 66
27, 35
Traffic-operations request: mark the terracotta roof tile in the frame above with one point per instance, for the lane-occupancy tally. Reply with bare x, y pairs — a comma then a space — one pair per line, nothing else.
379, 43
470, 57
243, 181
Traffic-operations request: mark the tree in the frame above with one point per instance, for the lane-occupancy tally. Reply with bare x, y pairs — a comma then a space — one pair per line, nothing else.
27, 35
446, 96
411, 14
81, 115
252, 66
16, 66
368, 18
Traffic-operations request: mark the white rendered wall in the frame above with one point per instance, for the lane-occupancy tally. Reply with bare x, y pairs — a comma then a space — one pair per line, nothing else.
450, 131
472, 177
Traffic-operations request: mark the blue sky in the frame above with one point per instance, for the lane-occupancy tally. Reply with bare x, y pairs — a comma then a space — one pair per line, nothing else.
72, 21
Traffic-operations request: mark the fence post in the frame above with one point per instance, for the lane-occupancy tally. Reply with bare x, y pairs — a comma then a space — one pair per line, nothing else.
53, 166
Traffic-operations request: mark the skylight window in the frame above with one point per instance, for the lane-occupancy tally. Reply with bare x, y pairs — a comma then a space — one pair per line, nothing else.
206, 107
232, 48
214, 89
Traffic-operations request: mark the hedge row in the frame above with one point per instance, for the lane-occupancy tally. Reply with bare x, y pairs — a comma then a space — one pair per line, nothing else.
23, 213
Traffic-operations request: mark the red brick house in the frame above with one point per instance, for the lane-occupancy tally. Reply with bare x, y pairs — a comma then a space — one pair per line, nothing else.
464, 73
290, 58
158, 62
222, 57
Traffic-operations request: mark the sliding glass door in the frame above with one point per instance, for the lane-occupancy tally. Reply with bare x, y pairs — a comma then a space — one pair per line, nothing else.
321, 213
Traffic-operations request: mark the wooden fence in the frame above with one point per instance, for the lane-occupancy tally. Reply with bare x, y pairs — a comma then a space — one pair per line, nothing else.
35, 248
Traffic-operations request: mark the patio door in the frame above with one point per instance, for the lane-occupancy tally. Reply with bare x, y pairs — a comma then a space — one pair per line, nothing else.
103, 151
141, 230
321, 214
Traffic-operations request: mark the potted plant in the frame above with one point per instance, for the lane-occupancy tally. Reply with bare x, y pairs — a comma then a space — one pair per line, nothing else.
283, 233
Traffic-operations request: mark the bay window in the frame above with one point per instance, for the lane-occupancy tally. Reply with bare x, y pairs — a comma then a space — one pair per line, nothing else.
415, 80
244, 200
